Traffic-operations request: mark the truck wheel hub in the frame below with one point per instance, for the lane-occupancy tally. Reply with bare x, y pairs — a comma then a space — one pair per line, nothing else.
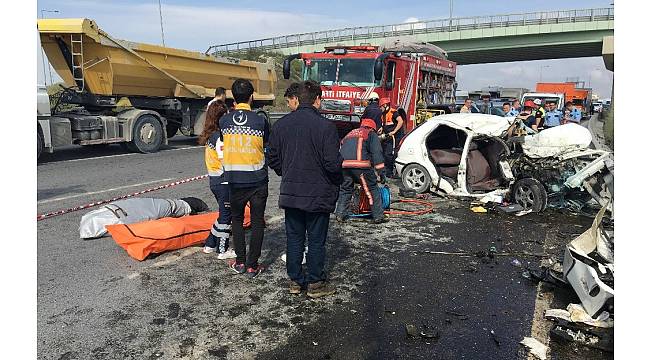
147, 133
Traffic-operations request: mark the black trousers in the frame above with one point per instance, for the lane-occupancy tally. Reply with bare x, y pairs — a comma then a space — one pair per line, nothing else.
238, 199
307, 226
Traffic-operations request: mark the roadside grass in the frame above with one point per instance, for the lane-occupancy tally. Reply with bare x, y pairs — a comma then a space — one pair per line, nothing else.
608, 128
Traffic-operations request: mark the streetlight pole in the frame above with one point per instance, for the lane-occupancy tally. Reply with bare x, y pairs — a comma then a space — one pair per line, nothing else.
43, 11
451, 10
162, 32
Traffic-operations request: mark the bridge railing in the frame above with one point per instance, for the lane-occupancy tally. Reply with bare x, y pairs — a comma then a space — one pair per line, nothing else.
414, 28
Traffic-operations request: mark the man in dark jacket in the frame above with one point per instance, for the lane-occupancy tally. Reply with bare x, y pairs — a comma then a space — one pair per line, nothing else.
362, 156
303, 149
373, 111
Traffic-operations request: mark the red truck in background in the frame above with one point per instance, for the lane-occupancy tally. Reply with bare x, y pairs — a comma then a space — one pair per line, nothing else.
579, 97
416, 77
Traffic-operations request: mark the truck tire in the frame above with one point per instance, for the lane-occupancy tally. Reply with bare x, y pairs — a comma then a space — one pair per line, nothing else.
530, 194
416, 177
40, 142
147, 135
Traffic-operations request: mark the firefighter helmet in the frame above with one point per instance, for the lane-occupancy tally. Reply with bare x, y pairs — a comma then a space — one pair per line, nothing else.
384, 101
373, 96
538, 102
529, 103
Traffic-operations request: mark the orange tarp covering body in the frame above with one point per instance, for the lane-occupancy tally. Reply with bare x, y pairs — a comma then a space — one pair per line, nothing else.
157, 236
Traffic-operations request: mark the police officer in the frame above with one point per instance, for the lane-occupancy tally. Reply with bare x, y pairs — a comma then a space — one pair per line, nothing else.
575, 115
391, 131
553, 116
509, 111
362, 156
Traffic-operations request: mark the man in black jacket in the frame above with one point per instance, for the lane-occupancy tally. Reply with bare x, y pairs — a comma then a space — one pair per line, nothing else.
373, 111
304, 150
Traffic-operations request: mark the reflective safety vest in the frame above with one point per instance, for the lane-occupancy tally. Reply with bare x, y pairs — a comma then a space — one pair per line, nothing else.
387, 118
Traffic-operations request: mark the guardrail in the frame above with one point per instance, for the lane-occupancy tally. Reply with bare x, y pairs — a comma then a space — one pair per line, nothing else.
414, 28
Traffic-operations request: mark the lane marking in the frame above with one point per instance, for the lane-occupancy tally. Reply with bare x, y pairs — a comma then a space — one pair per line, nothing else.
101, 191
119, 155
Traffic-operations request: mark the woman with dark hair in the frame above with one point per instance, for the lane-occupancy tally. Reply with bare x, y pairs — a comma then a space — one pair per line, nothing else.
218, 240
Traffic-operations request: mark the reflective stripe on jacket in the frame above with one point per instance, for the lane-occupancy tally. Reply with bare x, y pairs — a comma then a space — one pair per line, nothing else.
361, 149
244, 136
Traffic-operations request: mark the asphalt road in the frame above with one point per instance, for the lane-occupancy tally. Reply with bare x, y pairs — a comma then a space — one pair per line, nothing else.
94, 301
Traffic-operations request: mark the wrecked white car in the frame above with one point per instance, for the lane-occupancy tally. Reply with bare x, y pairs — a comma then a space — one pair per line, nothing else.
473, 155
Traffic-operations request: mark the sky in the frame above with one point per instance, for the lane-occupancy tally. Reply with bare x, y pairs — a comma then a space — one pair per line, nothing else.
197, 24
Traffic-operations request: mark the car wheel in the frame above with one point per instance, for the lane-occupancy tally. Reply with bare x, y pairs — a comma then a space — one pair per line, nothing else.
530, 194
147, 135
40, 143
416, 177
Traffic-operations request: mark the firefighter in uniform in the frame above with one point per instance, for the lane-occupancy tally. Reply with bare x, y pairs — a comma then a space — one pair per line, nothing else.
372, 111
553, 116
391, 131
362, 157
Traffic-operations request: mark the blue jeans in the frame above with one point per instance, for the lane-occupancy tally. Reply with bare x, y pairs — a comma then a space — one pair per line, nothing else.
220, 232
368, 181
301, 225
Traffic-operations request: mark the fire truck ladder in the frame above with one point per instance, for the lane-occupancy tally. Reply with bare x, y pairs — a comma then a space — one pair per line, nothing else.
77, 52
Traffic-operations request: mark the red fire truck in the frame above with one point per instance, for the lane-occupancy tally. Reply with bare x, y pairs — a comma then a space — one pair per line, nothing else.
416, 77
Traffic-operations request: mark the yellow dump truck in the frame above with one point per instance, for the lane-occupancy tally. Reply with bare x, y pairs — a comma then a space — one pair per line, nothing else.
133, 93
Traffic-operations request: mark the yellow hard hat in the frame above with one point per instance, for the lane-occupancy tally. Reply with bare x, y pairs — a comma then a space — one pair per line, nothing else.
373, 96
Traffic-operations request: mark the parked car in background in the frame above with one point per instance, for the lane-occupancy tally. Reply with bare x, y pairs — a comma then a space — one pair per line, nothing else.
471, 155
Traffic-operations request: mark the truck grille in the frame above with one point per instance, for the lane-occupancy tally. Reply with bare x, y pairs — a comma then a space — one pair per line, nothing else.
335, 105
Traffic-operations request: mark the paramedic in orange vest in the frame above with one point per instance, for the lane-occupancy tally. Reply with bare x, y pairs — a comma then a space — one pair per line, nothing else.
392, 131
362, 156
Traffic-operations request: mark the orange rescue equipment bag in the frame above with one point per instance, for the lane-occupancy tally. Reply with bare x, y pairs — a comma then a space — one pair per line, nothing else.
157, 236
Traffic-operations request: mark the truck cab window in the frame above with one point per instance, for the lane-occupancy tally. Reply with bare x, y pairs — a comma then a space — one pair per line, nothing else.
322, 71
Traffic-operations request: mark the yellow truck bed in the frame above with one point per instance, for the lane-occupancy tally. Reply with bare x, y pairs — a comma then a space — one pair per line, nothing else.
85, 56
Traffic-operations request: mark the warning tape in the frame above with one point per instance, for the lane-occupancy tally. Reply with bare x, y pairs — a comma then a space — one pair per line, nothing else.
81, 207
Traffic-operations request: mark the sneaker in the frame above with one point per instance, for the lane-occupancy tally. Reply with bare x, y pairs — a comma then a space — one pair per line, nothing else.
341, 219
252, 272
229, 254
294, 288
380, 220
320, 289
209, 250
304, 257
238, 268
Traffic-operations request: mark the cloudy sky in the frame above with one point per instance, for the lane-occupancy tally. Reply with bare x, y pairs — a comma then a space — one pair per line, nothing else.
197, 24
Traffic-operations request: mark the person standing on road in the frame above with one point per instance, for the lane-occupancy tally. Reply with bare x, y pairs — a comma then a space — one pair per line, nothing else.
362, 156
304, 151
575, 115
219, 95
553, 115
291, 94
467, 107
516, 107
509, 111
218, 240
244, 136
485, 106
392, 121
373, 111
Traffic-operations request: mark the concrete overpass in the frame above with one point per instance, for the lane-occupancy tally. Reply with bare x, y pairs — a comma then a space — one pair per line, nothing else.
468, 40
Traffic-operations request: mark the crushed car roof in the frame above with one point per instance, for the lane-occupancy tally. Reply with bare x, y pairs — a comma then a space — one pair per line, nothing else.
481, 124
